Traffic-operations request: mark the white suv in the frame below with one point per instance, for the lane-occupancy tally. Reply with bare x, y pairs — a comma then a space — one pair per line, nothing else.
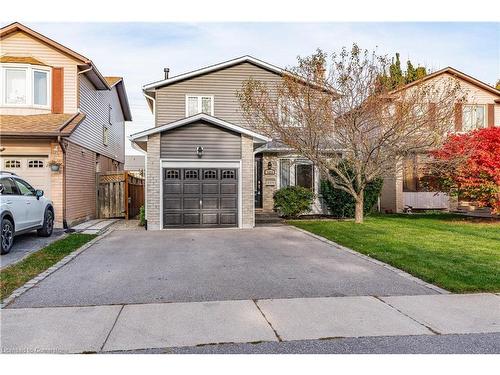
23, 209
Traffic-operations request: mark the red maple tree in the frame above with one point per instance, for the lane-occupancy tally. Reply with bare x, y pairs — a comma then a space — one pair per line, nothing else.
469, 164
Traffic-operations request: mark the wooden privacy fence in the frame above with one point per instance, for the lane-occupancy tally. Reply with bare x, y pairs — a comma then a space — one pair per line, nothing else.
119, 194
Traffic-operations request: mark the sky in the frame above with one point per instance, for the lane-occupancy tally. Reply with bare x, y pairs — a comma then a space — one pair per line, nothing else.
139, 51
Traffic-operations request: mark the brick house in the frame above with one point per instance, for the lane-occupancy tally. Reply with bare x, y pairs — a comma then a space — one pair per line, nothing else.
56, 107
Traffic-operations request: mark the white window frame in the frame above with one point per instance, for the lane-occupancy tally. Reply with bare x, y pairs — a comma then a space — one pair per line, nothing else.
483, 125
199, 97
30, 77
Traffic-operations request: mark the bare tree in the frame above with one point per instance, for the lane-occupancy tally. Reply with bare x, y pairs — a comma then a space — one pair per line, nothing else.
342, 117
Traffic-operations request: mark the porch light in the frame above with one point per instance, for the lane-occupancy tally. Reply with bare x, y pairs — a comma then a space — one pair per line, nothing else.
269, 165
199, 151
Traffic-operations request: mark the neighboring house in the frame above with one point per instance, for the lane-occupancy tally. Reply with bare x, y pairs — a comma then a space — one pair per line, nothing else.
481, 109
135, 164
56, 107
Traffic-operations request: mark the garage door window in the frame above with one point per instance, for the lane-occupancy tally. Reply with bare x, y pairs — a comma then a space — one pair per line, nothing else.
35, 163
191, 174
209, 174
172, 174
12, 164
228, 174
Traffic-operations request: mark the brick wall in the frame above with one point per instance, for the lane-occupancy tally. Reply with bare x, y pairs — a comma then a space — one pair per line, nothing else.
247, 183
80, 184
269, 182
153, 181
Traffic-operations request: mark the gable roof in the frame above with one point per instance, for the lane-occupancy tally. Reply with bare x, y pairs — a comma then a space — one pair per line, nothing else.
200, 117
212, 68
122, 95
16, 27
455, 73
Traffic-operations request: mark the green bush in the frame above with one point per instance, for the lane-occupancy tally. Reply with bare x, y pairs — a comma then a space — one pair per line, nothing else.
142, 216
342, 204
293, 201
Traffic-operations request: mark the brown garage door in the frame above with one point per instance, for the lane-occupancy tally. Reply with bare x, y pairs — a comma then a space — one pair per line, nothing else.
205, 197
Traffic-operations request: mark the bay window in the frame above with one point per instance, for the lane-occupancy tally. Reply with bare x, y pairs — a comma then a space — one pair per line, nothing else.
25, 85
199, 104
296, 172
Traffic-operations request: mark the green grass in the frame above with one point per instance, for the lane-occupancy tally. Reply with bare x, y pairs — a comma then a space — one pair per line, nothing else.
18, 274
454, 252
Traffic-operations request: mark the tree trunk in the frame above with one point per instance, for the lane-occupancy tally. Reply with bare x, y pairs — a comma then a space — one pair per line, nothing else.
358, 213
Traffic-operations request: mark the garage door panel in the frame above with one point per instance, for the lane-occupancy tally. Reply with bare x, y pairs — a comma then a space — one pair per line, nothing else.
32, 168
210, 218
210, 203
191, 218
191, 203
200, 197
191, 188
172, 219
227, 203
228, 218
172, 188
210, 188
172, 203
228, 188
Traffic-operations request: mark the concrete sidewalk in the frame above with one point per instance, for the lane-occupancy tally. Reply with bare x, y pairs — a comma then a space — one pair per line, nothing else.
149, 326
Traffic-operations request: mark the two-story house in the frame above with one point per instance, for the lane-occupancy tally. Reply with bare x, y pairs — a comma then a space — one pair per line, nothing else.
481, 109
206, 167
61, 120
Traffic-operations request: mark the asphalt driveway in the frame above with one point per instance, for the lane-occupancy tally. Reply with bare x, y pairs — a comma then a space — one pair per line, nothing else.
213, 265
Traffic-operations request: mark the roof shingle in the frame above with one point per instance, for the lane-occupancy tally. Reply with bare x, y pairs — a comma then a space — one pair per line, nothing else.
46, 124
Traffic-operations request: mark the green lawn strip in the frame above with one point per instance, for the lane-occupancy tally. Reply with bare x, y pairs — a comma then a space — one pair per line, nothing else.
453, 252
18, 274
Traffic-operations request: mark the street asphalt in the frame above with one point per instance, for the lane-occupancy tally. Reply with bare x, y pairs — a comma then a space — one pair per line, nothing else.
129, 267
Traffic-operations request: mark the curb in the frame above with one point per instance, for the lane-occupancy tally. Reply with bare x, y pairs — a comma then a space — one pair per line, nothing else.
404, 274
31, 283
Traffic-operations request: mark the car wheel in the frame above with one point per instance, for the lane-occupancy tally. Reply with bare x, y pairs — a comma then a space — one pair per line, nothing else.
7, 236
48, 225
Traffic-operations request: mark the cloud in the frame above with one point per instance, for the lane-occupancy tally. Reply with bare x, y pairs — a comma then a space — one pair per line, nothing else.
140, 51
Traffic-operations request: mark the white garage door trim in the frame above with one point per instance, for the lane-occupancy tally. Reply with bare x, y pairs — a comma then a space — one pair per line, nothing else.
194, 163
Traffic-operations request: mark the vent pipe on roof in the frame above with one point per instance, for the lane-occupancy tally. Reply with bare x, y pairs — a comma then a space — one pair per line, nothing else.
166, 70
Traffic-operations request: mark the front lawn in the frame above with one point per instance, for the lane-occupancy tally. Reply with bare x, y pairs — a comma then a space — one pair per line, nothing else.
18, 274
454, 252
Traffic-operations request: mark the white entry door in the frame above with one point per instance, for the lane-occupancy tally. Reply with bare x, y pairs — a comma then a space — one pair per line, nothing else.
33, 169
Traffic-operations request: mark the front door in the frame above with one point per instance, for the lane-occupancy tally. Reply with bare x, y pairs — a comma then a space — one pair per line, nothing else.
200, 197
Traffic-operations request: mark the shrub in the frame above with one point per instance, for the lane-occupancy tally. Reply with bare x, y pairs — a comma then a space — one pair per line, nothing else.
342, 204
142, 216
293, 200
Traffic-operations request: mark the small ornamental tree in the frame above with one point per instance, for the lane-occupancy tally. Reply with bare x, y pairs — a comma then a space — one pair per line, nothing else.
469, 165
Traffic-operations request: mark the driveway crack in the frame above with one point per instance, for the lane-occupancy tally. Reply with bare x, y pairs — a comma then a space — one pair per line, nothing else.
267, 320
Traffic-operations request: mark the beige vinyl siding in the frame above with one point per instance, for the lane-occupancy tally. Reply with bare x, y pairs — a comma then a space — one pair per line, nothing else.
95, 103
217, 143
20, 44
222, 84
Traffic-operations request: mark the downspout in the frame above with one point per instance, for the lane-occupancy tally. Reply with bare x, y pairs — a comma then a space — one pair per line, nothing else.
63, 148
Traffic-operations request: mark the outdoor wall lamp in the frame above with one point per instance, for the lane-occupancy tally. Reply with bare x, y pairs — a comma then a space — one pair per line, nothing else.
270, 165
199, 151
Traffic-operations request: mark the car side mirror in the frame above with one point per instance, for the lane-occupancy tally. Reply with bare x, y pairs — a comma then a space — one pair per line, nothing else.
38, 194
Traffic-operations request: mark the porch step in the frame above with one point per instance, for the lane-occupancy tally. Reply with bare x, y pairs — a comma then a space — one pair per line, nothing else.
267, 218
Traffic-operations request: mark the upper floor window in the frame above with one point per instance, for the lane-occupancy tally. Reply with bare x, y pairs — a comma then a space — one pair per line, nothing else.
473, 117
199, 104
25, 85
